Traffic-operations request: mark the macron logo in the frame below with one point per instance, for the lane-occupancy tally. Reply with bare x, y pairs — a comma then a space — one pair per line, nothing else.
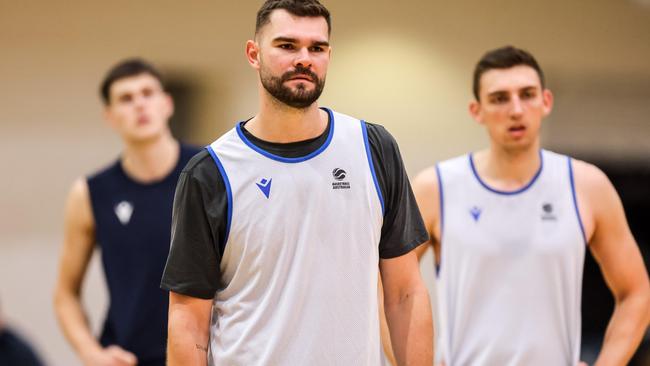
476, 213
123, 211
265, 186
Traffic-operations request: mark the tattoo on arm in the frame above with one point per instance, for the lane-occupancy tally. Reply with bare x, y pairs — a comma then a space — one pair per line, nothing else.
202, 348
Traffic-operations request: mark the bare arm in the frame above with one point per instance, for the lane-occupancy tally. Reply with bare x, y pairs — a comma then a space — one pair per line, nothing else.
408, 310
78, 244
617, 253
383, 324
188, 330
425, 188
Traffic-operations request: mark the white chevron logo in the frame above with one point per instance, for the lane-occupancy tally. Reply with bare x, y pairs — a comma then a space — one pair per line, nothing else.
123, 211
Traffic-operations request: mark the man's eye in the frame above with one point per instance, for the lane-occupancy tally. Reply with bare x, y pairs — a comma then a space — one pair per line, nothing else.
499, 99
317, 49
125, 98
527, 95
286, 46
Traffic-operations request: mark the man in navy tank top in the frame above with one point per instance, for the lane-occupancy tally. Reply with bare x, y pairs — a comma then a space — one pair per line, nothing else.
283, 225
124, 209
510, 225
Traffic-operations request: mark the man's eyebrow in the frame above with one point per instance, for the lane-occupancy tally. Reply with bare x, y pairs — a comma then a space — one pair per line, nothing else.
497, 92
528, 88
321, 43
293, 40
284, 39
524, 88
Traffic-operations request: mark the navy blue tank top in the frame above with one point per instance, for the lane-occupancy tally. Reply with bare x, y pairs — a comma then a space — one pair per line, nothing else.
133, 222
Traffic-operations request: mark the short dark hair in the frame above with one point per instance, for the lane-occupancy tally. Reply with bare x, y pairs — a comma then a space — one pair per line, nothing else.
301, 8
124, 69
504, 58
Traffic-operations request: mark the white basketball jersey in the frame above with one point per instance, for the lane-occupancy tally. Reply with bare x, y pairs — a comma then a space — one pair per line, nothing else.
510, 279
300, 265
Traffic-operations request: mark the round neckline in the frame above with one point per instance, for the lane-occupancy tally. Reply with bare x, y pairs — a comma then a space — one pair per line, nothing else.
164, 179
502, 192
282, 159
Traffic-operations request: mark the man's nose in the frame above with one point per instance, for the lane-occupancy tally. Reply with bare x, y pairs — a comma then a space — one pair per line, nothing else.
303, 58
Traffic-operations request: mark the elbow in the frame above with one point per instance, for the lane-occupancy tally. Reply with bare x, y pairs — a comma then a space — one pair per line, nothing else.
57, 298
63, 296
638, 299
643, 300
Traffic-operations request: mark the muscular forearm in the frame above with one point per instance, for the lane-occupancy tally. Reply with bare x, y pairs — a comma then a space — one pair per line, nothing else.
625, 331
187, 342
411, 328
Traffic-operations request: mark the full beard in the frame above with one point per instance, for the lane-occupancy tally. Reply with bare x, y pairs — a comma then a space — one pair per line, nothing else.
300, 97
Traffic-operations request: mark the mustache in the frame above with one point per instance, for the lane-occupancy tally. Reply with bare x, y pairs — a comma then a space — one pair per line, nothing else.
300, 71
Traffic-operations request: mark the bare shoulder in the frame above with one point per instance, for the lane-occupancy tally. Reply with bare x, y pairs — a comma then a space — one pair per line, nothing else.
591, 181
78, 237
426, 191
426, 180
589, 174
78, 208
425, 188
599, 204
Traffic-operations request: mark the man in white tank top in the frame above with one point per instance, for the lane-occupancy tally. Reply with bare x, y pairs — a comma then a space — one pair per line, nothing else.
509, 226
283, 225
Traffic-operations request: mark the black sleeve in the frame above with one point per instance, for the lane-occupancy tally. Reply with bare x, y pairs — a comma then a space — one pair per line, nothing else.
403, 229
198, 230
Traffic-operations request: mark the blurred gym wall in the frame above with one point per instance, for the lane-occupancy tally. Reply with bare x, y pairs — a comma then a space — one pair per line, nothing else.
406, 65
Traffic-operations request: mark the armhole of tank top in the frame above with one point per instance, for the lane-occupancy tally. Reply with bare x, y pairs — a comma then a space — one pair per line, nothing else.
93, 208
442, 216
575, 200
372, 166
226, 182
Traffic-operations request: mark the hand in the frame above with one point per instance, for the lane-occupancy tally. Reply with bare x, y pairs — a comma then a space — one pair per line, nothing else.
582, 363
110, 356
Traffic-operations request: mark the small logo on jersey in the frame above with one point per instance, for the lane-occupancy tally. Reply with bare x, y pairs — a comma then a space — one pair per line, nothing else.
265, 186
339, 174
123, 211
476, 213
547, 212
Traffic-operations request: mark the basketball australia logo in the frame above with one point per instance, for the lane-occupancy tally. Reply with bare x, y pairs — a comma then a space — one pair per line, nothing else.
339, 175
547, 212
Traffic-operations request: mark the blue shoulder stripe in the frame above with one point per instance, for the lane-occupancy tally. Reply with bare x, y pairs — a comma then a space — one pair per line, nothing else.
226, 182
372, 166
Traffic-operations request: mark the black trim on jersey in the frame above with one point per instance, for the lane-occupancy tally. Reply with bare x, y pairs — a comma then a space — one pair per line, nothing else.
200, 209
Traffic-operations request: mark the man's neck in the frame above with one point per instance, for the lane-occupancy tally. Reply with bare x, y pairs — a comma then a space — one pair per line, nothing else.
508, 170
277, 122
151, 161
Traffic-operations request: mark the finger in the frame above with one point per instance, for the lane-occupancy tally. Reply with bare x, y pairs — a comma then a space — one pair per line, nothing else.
123, 355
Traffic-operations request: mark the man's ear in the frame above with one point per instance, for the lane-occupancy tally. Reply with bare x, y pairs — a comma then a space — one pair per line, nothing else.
108, 115
475, 111
253, 54
170, 104
547, 100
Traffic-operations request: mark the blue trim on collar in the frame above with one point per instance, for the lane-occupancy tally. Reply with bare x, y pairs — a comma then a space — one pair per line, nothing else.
290, 160
508, 193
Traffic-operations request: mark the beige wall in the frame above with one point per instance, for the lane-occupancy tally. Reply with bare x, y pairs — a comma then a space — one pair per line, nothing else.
405, 66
